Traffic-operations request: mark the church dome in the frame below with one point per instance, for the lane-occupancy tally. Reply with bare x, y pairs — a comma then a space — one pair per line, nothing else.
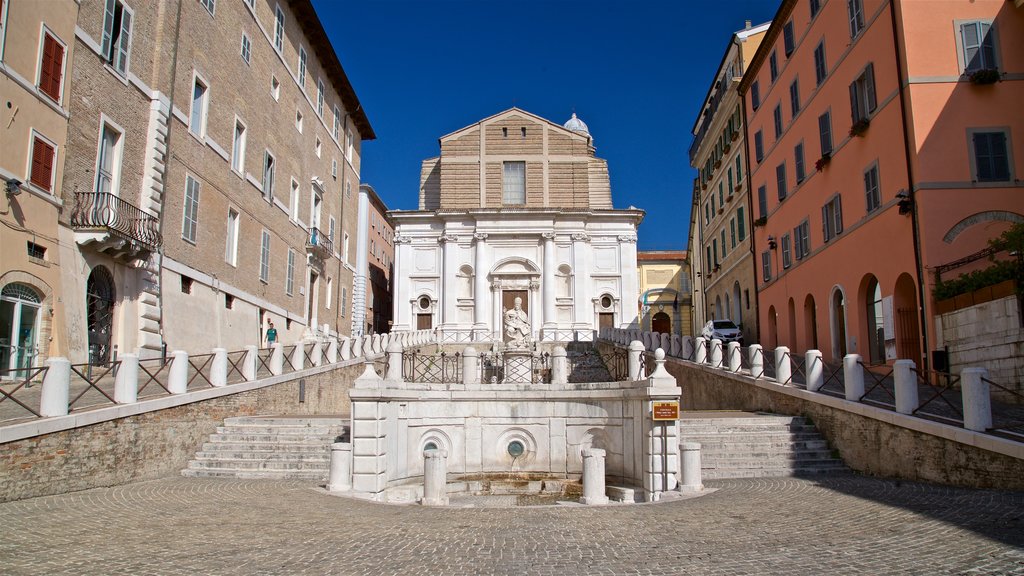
577, 125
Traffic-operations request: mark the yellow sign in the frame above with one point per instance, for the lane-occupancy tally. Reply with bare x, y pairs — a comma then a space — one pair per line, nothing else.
662, 411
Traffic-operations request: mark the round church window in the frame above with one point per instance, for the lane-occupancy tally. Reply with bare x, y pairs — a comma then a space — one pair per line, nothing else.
606, 302
516, 448
424, 303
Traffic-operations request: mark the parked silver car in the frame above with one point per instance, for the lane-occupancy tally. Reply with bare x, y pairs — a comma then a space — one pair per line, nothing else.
724, 330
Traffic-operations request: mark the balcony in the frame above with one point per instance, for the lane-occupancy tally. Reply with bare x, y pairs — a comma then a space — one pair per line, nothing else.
114, 226
319, 244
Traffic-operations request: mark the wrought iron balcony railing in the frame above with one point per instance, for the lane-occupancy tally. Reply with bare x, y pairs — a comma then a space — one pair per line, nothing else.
319, 241
104, 211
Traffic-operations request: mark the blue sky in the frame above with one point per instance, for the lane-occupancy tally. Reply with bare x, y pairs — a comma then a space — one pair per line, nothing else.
635, 71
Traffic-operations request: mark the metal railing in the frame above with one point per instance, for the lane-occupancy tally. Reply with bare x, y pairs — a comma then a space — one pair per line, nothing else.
105, 211
440, 368
22, 380
881, 382
94, 380
320, 241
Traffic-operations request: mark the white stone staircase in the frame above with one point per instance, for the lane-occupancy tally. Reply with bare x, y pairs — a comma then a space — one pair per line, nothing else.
749, 445
277, 447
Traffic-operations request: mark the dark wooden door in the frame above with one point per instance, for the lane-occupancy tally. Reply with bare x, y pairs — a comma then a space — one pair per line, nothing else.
606, 320
423, 322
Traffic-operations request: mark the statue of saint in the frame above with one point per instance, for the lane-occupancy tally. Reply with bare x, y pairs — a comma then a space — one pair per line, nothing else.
517, 324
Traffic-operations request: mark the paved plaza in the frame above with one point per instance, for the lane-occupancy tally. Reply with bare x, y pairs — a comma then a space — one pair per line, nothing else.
841, 525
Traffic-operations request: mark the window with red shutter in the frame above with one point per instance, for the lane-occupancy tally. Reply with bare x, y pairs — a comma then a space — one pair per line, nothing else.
42, 164
51, 67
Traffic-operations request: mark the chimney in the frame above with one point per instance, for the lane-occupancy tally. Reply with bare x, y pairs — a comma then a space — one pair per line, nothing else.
747, 25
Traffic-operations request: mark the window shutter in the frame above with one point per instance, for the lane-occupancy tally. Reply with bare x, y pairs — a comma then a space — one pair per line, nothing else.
124, 42
839, 215
869, 79
867, 189
971, 45
988, 46
851, 12
108, 29
50, 71
854, 111
42, 165
824, 223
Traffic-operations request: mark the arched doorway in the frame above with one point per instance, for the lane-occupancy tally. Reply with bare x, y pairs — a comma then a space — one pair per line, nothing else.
810, 323
737, 314
718, 307
661, 323
773, 328
792, 326
728, 307
19, 328
837, 310
875, 321
908, 333
99, 304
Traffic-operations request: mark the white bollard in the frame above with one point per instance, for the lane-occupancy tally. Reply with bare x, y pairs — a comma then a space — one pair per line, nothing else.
814, 369
906, 386
559, 366
299, 356
276, 358
470, 366
177, 374
636, 348
435, 478
219, 367
394, 370
332, 351
686, 353
340, 478
666, 343
976, 398
716, 353
126, 383
690, 464
367, 347
783, 367
853, 377
677, 346
701, 351
56, 388
346, 349
756, 360
249, 363
593, 477
317, 353
733, 353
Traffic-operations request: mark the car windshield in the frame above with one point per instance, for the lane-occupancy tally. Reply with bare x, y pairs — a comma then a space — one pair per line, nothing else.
724, 325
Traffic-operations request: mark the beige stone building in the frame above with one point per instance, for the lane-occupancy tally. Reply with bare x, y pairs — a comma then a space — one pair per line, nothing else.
372, 293
665, 296
213, 174
36, 52
722, 264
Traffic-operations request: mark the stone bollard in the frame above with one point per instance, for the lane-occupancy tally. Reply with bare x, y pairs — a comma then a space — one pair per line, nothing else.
676, 346
690, 467
666, 343
687, 350
636, 348
317, 353
394, 372
375, 344
332, 351
126, 383
299, 356
559, 366
367, 347
177, 374
276, 358
733, 355
853, 377
646, 339
756, 361
219, 367
716, 353
249, 363
470, 366
700, 351
783, 366
593, 477
814, 370
906, 386
340, 479
56, 388
346, 349
435, 478
976, 398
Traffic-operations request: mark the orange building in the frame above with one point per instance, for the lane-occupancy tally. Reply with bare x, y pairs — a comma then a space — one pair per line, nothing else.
881, 139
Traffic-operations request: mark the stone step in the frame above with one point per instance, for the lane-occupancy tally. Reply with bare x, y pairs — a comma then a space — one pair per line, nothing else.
282, 429
723, 474
268, 464
767, 461
747, 428
754, 419
268, 447
320, 456
282, 438
286, 420
721, 444
256, 474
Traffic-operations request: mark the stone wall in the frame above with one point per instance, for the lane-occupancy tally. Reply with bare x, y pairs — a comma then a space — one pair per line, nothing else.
870, 440
158, 443
990, 336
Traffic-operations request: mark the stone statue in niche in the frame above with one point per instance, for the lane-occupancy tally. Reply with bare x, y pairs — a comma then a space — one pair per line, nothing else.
517, 324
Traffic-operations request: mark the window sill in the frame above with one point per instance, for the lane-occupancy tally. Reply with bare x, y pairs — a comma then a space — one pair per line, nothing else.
122, 77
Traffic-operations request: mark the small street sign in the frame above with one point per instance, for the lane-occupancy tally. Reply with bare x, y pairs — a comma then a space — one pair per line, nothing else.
664, 411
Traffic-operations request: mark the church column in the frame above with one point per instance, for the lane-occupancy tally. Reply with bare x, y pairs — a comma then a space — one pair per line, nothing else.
401, 310
548, 283
630, 290
480, 285
583, 307
448, 295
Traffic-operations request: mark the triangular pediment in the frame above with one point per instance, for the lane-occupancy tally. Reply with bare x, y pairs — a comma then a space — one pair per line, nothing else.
508, 114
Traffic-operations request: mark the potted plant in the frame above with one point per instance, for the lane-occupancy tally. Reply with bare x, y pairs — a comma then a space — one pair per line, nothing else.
761, 221
860, 127
820, 163
985, 76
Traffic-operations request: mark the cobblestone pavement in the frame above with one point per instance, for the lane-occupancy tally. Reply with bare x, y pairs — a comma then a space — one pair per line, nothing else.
842, 525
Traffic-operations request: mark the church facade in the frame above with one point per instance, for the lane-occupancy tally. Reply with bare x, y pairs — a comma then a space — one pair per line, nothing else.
515, 220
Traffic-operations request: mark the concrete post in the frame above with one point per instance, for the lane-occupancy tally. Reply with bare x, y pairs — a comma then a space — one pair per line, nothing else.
853, 377
250, 362
218, 367
376, 344
593, 477
559, 366
976, 398
636, 348
676, 346
394, 372
276, 358
56, 388
783, 365
367, 347
332, 351
177, 374
346, 349
687, 351
435, 478
690, 465
756, 360
666, 343
733, 355
701, 351
814, 369
126, 383
318, 352
470, 366
340, 479
906, 386
716, 353
299, 356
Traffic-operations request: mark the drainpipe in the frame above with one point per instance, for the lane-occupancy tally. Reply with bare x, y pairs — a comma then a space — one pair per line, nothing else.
163, 200
918, 266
